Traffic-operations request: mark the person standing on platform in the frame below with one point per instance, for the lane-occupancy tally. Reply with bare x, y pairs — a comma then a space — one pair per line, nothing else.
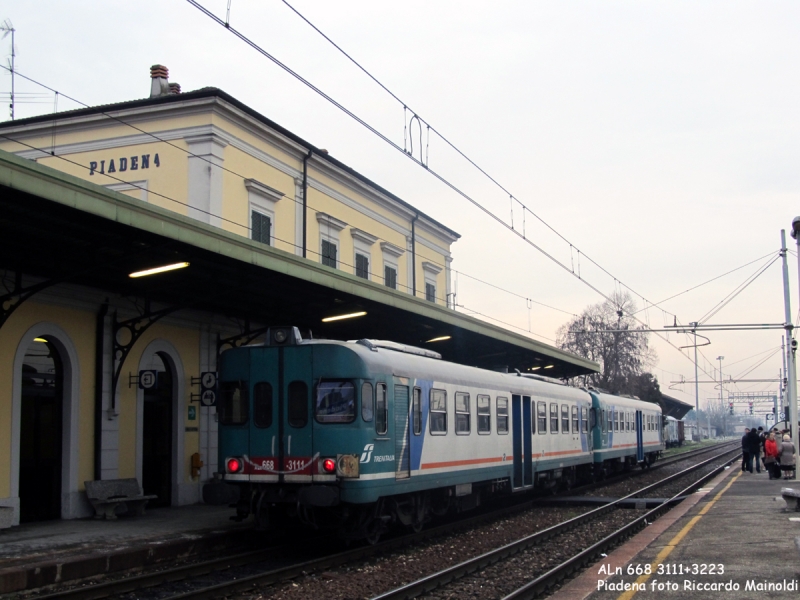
753, 451
744, 449
762, 438
787, 457
771, 454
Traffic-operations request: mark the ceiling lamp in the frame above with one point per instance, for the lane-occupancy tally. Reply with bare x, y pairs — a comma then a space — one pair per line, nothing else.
165, 268
347, 316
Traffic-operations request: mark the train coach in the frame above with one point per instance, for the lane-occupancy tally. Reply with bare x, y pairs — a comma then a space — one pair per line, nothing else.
359, 435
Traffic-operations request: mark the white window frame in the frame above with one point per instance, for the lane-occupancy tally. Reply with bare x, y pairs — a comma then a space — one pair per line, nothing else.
362, 244
329, 228
431, 272
391, 259
262, 199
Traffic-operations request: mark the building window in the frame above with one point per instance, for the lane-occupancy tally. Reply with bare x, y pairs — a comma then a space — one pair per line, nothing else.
390, 276
329, 253
362, 266
260, 227
430, 292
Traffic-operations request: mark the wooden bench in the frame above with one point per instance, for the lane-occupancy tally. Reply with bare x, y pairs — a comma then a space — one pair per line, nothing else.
791, 497
110, 494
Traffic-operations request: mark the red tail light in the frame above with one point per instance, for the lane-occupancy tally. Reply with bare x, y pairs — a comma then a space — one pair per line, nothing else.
329, 465
234, 465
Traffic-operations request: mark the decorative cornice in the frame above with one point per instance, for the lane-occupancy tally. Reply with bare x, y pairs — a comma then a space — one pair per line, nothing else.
263, 190
392, 249
363, 236
330, 221
431, 268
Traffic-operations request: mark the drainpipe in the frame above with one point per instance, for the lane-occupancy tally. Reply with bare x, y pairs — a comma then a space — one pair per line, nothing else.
414, 256
99, 353
305, 197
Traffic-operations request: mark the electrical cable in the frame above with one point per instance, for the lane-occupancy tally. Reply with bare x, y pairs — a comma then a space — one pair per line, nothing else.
738, 290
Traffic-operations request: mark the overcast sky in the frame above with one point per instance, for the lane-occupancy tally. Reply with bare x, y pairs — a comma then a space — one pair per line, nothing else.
661, 139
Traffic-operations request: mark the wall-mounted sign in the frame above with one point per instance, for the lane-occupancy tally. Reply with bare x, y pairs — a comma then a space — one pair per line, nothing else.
208, 388
124, 163
192, 413
148, 379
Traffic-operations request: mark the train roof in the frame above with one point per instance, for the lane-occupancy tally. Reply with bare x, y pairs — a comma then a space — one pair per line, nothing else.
626, 402
412, 365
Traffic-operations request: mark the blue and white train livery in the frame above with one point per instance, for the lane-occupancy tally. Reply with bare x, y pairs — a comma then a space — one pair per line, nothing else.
359, 435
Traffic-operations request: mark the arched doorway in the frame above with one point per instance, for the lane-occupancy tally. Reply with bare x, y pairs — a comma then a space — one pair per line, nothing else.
41, 427
157, 428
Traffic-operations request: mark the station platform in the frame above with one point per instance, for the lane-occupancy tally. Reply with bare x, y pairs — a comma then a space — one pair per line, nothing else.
37, 554
738, 522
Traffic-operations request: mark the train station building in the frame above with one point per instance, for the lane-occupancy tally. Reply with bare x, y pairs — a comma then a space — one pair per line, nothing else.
100, 371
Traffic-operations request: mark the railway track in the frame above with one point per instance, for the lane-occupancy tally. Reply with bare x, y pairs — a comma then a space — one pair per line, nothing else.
555, 575
270, 563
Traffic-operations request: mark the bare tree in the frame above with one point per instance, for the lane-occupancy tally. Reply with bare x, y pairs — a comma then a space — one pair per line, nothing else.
608, 334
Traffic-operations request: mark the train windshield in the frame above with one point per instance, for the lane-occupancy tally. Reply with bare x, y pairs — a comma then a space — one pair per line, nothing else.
336, 402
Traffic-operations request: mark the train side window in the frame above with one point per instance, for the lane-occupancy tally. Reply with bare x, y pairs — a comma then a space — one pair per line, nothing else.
564, 418
484, 414
541, 413
603, 422
438, 400
381, 410
553, 418
502, 415
367, 402
462, 413
610, 415
234, 406
298, 404
576, 425
628, 422
584, 419
416, 410
262, 404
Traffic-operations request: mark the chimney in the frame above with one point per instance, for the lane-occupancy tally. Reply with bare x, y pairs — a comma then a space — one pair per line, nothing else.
174, 88
159, 86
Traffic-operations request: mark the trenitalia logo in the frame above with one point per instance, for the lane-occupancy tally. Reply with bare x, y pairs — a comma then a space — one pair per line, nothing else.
366, 455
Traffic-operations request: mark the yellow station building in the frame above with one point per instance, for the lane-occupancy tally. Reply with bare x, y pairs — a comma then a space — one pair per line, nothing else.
203, 170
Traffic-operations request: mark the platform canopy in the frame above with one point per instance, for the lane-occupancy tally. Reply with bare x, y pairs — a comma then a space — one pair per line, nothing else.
66, 230
672, 407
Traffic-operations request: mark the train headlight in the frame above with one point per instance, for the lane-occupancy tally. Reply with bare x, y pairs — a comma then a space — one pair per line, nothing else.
329, 465
234, 465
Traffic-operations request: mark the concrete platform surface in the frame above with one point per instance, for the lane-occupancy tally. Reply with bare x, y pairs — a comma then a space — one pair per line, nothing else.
733, 539
35, 554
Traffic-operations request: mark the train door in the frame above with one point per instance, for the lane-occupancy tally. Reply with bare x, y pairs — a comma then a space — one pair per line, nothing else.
401, 432
639, 437
521, 441
264, 425
296, 436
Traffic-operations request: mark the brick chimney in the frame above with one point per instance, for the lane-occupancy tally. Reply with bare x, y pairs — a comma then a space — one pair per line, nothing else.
159, 86
174, 88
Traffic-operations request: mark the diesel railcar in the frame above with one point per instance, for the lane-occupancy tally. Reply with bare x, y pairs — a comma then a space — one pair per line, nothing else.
358, 435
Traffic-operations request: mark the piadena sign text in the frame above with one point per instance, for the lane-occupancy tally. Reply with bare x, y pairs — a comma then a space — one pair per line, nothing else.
124, 163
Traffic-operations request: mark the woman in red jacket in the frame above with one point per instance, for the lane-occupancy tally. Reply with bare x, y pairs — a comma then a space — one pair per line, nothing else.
771, 454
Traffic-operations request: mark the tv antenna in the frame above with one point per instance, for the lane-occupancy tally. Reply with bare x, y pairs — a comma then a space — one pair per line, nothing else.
7, 28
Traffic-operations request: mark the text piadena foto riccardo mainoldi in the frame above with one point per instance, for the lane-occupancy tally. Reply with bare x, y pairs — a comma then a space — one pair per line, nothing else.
692, 585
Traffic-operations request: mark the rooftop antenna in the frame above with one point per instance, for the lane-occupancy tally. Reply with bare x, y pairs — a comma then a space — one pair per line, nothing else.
7, 27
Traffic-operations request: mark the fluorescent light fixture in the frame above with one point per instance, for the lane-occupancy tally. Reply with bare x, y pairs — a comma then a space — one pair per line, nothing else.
535, 368
549, 366
40, 340
180, 265
439, 339
347, 316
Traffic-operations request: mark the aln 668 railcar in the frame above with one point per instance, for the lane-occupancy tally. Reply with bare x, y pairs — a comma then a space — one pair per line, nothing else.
358, 435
